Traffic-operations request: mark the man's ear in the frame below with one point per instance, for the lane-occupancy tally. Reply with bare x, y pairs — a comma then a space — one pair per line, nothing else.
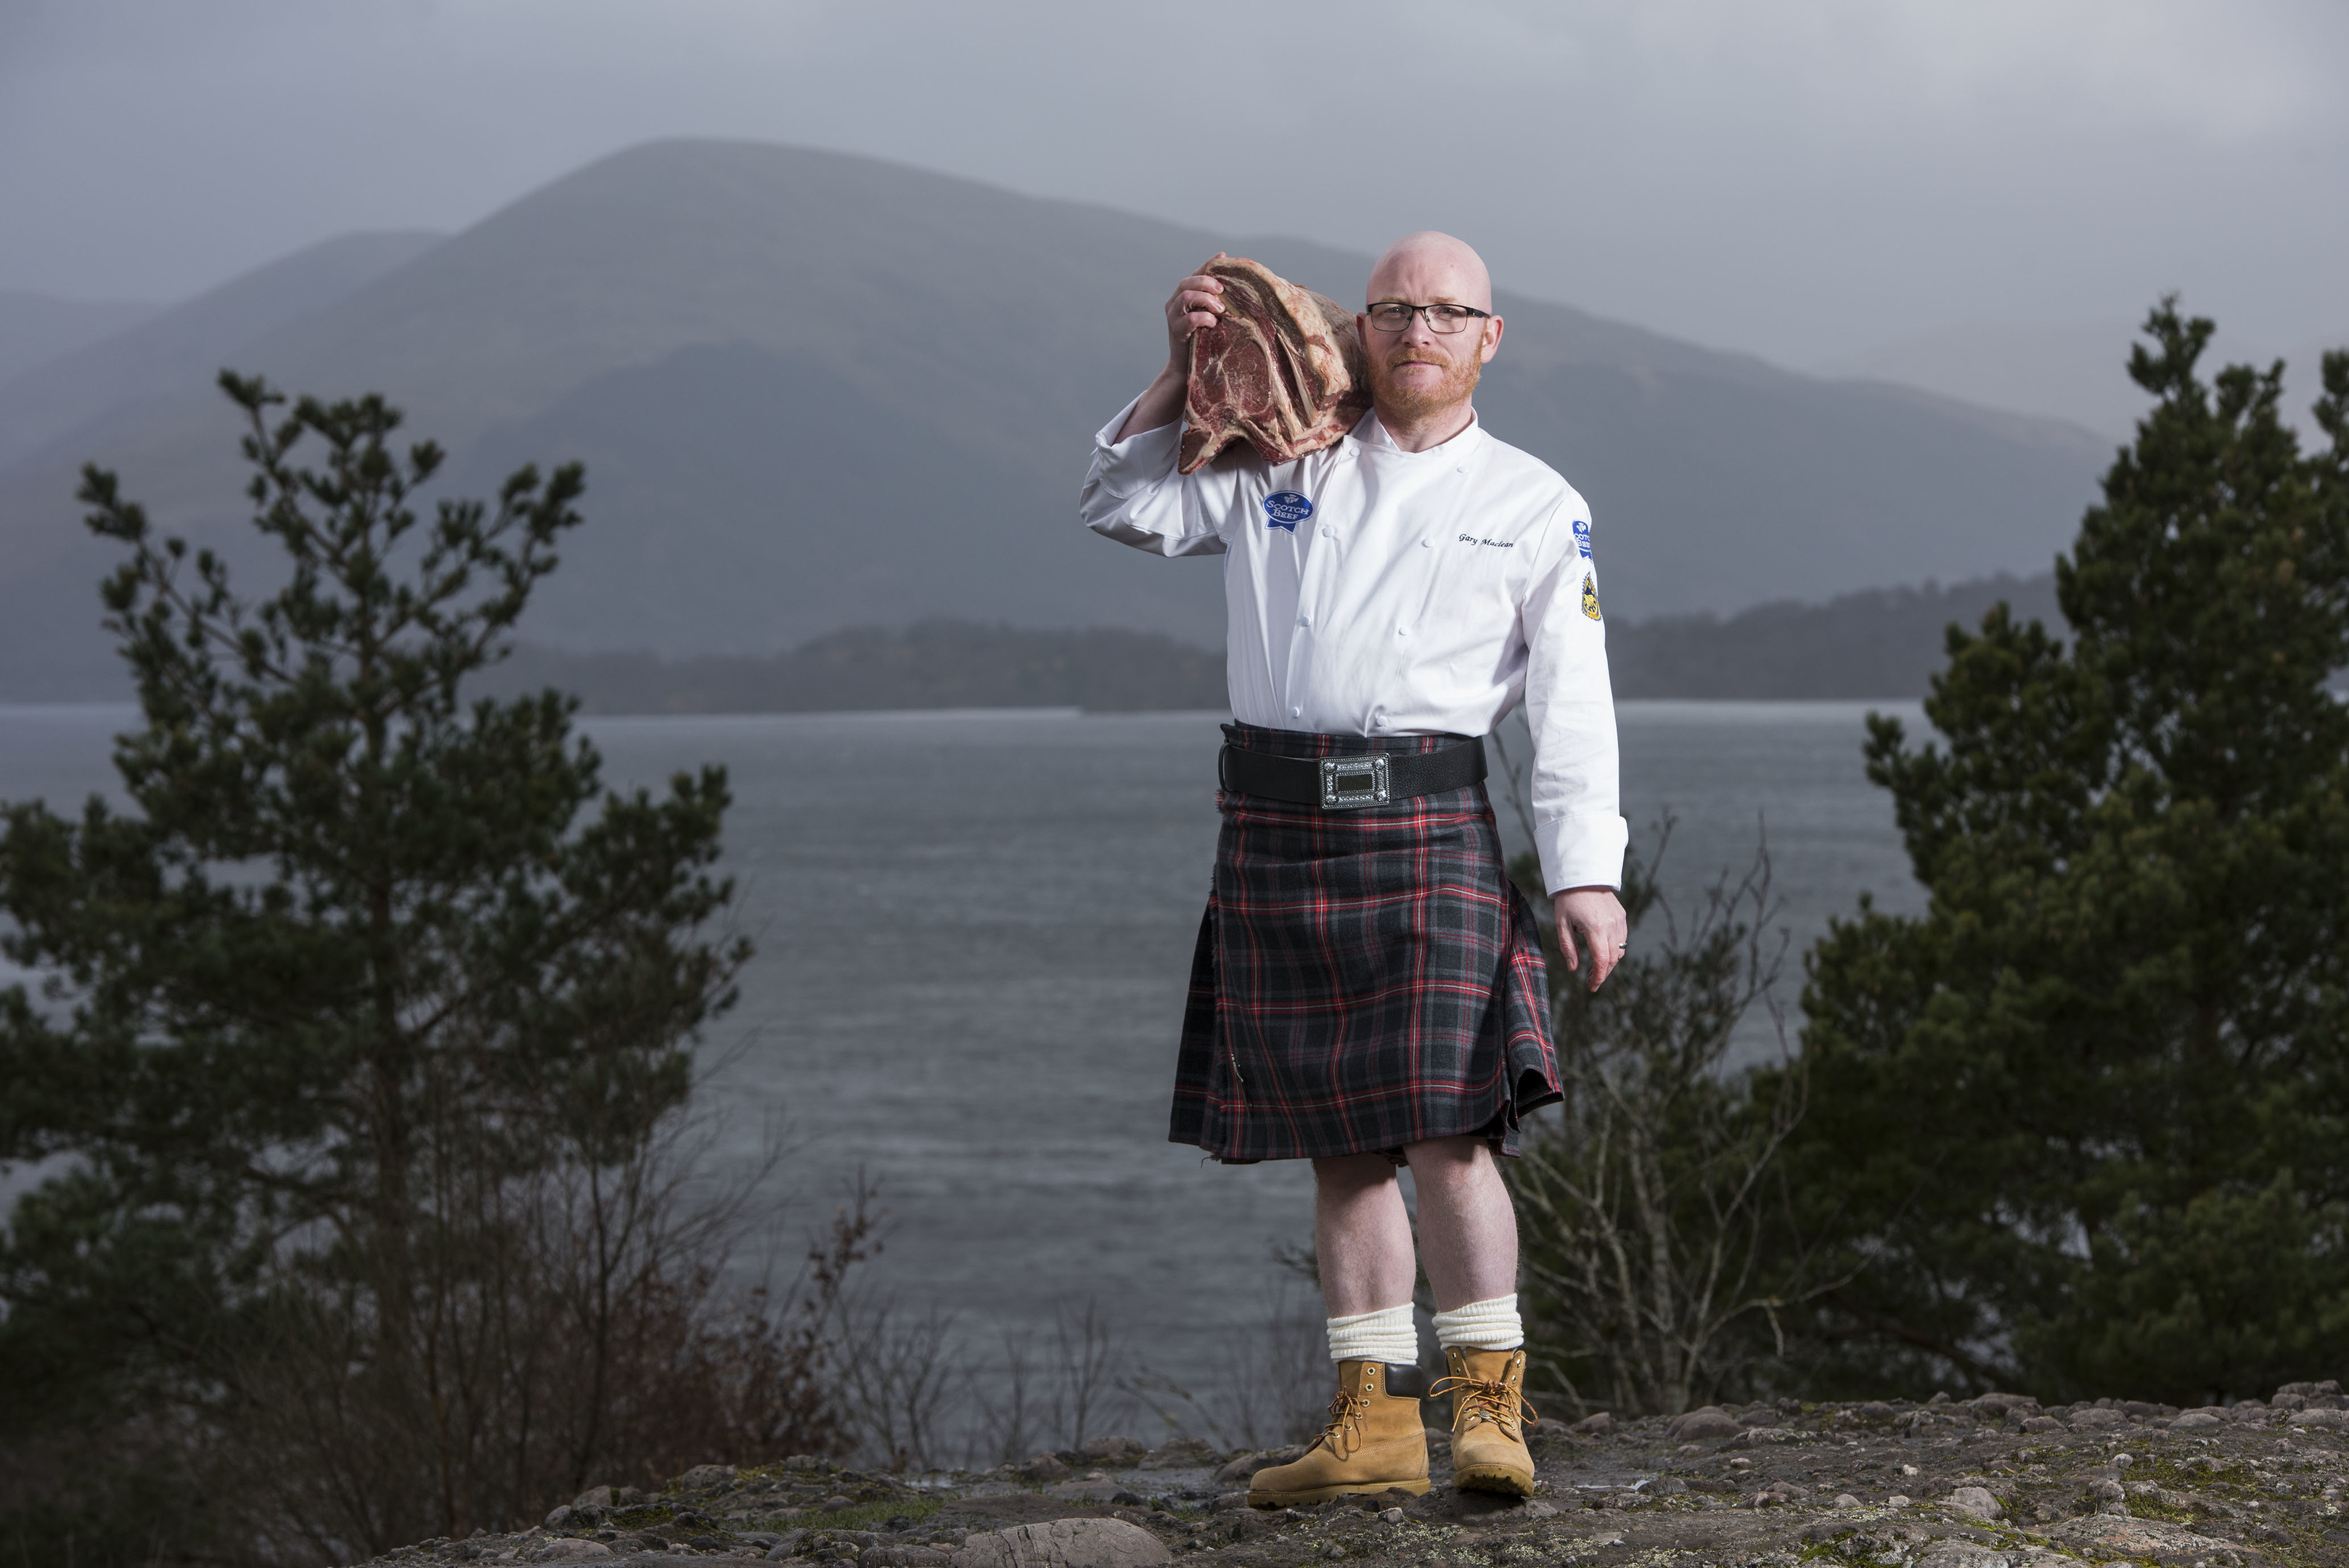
1492, 339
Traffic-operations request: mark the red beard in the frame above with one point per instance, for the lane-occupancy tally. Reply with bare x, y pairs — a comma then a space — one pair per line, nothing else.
1418, 400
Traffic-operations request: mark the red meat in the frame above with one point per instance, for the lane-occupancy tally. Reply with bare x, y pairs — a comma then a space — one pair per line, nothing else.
1282, 370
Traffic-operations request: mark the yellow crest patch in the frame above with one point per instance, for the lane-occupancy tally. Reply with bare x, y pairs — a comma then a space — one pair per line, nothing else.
1589, 596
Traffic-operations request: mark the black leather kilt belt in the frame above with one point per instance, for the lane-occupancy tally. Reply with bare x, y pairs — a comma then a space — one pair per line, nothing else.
1354, 779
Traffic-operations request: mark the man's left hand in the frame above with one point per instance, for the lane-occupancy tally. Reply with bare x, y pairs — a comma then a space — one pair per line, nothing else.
1595, 916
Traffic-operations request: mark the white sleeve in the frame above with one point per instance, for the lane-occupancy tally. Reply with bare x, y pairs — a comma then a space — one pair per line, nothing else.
1579, 825
1133, 495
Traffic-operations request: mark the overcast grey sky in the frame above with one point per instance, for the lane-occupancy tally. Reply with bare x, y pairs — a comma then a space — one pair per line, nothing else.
1799, 178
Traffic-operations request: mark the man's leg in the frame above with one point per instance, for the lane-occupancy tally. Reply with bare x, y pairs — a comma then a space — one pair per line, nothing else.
1468, 1227
1362, 1236
1468, 1236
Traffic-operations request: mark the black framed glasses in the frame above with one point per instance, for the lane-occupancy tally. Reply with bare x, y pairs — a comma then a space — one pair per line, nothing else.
1393, 316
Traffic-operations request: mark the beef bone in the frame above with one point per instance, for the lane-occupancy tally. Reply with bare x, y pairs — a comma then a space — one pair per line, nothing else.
1282, 369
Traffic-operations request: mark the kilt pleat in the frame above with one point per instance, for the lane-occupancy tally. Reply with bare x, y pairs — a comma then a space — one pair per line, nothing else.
1363, 980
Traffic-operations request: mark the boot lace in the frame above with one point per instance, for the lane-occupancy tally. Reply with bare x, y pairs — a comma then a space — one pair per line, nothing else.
1484, 1399
1343, 1435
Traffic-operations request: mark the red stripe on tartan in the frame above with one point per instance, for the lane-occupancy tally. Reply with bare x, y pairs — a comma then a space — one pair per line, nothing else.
1362, 1002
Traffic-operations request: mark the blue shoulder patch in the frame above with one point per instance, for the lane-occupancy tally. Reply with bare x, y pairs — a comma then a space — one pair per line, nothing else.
1285, 509
1582, 535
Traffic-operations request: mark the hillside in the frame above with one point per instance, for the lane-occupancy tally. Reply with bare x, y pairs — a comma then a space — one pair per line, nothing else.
2069, 370
37, 328
148, 370
1880, 642
932, 664
816, 391
1883, 643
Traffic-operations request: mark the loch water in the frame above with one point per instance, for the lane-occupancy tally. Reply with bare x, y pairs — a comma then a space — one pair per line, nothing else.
973, 932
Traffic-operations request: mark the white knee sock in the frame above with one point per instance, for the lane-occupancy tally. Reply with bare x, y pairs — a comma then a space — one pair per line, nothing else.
1386, 1334
1482, 1325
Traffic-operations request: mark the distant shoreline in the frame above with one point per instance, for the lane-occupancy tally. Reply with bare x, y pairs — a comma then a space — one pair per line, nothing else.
1880, 645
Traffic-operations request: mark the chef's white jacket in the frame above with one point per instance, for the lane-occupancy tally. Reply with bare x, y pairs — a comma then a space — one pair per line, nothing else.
1374, 591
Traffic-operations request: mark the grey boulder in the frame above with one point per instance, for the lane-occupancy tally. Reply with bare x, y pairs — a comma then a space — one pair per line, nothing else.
2104, 1536
1976, 1501
1114, 1452
1697, 1425
1064, 1544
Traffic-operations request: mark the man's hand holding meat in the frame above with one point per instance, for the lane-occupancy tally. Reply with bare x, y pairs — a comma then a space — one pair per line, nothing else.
1197, 301
1368, 990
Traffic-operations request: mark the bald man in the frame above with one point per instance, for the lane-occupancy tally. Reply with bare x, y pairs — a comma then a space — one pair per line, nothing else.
1369, 991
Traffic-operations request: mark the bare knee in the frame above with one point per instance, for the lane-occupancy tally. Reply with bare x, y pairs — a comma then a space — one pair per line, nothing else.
1452, 1162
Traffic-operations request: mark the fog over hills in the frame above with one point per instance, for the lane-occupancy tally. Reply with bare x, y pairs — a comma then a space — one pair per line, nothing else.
37, 327
144, 373
815, 390
2072, 370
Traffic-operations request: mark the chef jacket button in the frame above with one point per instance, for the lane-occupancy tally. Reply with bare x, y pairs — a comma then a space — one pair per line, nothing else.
1297, 712
1427, 544
1402, 631
1305, 620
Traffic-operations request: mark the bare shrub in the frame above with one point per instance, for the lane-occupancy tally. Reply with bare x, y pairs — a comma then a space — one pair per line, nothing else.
1275, 1378
1658, 1236
900, 1379
1084, 1388
567, 1330
1010, 1424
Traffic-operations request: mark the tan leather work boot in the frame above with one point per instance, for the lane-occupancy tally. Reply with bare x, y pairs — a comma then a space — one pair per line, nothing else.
1488, 1421
1373, 1442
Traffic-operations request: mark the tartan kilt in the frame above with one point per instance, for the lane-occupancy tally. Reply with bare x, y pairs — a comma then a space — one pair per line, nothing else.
1363, 980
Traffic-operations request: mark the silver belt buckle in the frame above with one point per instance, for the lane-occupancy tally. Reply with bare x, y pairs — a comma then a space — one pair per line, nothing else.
1349, 784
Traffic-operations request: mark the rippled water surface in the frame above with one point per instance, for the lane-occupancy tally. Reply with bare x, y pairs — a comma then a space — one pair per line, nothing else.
973, 932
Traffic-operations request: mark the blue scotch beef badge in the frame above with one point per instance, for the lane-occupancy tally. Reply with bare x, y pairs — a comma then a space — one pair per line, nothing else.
1285, 509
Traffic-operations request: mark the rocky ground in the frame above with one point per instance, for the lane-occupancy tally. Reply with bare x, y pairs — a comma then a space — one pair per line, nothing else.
1995, 1482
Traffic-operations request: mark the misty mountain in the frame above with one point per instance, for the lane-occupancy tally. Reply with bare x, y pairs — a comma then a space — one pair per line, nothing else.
816, 391
168, 355
38, 328
2067, 370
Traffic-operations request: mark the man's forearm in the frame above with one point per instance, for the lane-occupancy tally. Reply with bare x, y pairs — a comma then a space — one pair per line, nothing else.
1162, 404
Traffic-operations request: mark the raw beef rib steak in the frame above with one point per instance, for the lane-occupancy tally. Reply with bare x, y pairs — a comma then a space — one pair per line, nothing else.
1281, 369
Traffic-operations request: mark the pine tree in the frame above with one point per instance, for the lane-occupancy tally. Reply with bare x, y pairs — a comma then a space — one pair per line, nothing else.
2085, 1123
357, 1022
